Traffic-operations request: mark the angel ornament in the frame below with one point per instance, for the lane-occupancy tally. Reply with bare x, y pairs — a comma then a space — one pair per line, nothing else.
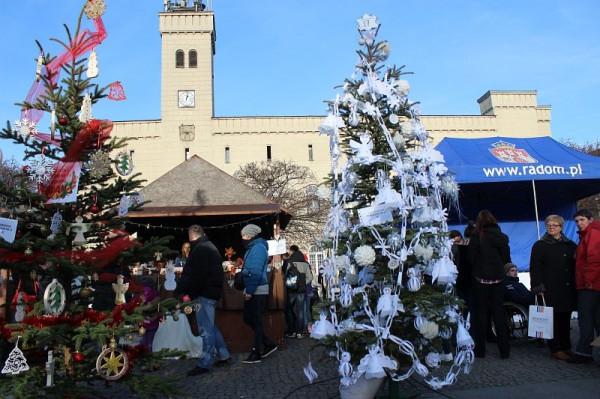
363, 150
345, 369
389, 304
322, 328
170, 283
120, 288
386, 195
78, 228
373, 365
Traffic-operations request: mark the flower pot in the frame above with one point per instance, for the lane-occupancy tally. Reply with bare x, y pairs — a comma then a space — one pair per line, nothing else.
363, 388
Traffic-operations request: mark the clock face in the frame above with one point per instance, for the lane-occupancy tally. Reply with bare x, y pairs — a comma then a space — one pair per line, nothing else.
186, 98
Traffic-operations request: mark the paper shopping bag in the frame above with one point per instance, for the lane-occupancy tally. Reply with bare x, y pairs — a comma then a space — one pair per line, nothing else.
541, 322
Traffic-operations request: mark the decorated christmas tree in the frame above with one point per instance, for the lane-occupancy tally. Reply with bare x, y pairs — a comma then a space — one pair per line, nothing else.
389, 280
62, 231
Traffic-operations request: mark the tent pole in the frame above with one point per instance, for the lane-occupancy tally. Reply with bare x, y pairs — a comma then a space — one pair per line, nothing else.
537, 216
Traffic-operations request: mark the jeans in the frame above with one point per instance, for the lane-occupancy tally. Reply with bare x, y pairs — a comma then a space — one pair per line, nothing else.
588, 309
297, 311
254, 309
212, 340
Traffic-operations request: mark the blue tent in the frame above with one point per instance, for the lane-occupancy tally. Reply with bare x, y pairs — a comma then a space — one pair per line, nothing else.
521, 181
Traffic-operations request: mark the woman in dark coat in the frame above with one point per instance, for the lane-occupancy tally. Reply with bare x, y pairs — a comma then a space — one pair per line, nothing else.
488, 252
552, 268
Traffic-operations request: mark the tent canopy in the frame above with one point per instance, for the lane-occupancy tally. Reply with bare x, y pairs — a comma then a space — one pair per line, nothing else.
501, 174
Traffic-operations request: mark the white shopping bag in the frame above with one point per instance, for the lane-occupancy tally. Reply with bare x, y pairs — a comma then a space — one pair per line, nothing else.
541, 320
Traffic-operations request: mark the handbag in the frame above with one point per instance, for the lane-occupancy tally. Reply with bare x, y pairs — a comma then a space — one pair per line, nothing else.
541, 320
238, 281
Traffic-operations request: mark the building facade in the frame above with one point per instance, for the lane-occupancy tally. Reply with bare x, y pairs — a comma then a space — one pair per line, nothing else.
188, 126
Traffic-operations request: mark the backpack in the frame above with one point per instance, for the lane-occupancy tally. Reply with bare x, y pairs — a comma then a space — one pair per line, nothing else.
294, 280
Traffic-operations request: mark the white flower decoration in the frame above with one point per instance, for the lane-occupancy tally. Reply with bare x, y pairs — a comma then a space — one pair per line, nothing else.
364, 255
429, 329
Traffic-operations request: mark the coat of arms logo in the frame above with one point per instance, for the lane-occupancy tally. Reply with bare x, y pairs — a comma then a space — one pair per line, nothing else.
507, 152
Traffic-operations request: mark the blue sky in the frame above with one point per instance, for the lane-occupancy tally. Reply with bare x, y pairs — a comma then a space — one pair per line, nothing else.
278, 57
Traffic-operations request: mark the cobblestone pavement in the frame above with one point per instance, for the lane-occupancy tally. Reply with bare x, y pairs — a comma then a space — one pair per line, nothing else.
280, 376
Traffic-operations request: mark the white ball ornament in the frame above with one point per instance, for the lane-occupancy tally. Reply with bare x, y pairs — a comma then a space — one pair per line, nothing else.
393, 264
393, 118
364, 255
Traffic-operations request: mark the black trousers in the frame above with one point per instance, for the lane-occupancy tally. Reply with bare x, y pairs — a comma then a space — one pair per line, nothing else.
562, 332
254, 310
487, 302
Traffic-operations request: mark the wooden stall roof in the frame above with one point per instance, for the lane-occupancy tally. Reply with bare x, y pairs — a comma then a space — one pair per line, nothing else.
198, 188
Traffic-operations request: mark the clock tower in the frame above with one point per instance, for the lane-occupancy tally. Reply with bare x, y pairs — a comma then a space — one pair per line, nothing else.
188, 46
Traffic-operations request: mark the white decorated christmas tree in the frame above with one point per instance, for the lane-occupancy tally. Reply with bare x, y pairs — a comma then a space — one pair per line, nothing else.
389, 279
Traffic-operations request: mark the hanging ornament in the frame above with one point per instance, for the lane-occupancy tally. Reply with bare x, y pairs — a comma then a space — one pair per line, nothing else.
364, 255
124, 164
52, 123
363, 150
345, 369
170, 283
38, 67
55, 224
393, 118
112, 363
388, 304
346, 295
28, 251
20, 308
373, 365
99, 164
78, 357
16, 362
95, 208
40, 170
85, 113
94, 8
54, 298
63, 120
124, 205
116, 92
92, 69
50, 370
25, 128
78, 228
393, 264
120, 288
322, 328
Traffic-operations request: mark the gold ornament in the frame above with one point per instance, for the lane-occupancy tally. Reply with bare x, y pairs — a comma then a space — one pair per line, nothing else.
142, 330
85, 292
94, 8
28, 251
112, 363
188, 310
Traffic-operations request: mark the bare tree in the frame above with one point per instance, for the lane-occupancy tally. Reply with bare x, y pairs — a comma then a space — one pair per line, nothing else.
295, 188
592, 202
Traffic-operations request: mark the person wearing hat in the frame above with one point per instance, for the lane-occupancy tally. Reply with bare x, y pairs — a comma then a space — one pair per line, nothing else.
515, 291
256, 291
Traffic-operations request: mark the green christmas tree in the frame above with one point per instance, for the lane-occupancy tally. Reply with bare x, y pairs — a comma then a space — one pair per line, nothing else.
389, 280
66, 201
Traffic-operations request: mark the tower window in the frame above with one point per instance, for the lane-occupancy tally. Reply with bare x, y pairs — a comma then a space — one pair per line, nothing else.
227, 155
186, 153
193, 59
179, 59
268, 153
310, 152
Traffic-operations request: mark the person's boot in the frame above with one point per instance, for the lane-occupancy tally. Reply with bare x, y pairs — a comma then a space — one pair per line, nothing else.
253, 357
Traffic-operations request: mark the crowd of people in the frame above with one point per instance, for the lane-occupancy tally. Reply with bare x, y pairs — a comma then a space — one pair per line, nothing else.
564, 276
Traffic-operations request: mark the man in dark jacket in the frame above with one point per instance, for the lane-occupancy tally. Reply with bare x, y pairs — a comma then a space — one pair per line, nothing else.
587, 281
514, 290
202, 281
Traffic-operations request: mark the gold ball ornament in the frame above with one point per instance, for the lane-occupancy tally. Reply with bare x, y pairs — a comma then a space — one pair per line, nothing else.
188, 310
85, 292
28, 251
112, 363
142, 330
94, 8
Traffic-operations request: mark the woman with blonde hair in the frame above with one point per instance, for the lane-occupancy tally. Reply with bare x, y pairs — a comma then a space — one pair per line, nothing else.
552, 269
